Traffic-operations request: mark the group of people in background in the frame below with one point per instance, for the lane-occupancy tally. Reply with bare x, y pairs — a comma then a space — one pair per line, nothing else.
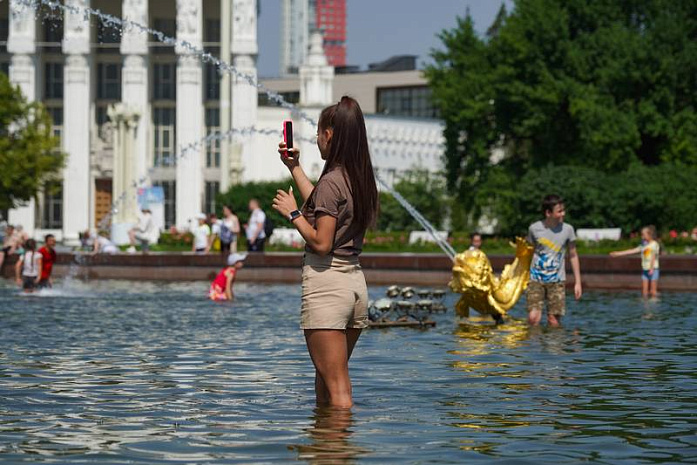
33, 267
227, 230
211, 232
551, 238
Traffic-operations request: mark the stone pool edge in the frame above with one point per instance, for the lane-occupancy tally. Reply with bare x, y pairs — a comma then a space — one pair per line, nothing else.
678, 272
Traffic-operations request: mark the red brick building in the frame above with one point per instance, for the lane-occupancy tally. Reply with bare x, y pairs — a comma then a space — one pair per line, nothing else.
330, 18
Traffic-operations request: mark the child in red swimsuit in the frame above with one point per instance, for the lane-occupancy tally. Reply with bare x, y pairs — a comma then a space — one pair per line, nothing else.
221, 287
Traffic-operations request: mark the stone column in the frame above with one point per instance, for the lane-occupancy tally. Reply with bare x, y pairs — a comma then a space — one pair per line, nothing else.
244, 96
21, 43
125, 121
190, 127
225, 91
76, 132
134, 80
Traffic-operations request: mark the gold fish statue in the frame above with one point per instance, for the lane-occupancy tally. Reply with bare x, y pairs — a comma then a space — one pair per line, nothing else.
482, 290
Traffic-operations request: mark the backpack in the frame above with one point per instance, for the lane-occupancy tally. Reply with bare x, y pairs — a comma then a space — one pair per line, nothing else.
268, 226
226, 233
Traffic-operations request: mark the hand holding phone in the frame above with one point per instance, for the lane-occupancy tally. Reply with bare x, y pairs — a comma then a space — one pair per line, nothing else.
288, 136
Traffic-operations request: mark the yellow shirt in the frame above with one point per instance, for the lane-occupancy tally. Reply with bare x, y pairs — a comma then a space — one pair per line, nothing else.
649, 250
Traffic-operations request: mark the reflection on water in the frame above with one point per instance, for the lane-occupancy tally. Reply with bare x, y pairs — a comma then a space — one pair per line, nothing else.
330, 438
115, 372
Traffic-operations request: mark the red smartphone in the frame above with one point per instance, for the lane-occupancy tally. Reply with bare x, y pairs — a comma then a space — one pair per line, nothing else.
288, 134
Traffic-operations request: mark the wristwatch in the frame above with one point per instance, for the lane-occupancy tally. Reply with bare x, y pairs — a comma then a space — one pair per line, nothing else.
294, 215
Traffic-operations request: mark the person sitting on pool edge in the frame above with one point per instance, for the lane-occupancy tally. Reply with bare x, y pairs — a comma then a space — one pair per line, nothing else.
221, 287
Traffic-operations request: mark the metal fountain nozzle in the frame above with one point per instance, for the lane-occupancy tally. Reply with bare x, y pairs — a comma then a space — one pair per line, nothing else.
438, 293
424, 293
382, 305
405, 305
393, 291
407, 292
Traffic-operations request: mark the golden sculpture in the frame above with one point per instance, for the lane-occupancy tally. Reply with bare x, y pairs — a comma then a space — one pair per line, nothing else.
482, 290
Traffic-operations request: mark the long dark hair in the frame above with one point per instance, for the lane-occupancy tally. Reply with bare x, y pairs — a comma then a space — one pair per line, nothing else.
348, 148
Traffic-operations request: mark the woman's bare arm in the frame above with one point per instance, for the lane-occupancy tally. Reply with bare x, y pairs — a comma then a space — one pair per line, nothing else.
40, 265
321, 239
302, 181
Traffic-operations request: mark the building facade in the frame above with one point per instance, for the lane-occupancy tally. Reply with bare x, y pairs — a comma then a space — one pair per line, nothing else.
80, 69
299, 18
330, 19
404, 128
295, 30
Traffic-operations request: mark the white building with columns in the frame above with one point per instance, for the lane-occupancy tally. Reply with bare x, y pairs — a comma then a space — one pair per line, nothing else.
80, 68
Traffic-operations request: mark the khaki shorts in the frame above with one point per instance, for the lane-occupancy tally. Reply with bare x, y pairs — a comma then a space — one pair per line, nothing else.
555, 293
335, 295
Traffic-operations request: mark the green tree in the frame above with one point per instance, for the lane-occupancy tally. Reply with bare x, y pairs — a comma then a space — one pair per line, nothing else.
462, 90
500, 19
599, 84
661, 195
29, 155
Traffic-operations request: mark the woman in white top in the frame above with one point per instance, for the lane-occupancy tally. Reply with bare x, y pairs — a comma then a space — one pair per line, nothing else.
28, 268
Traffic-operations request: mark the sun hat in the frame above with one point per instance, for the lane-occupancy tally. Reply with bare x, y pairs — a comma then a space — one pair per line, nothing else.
200, 216
235, 257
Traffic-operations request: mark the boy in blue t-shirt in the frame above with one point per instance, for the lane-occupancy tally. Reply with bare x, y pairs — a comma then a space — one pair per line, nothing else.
551, 237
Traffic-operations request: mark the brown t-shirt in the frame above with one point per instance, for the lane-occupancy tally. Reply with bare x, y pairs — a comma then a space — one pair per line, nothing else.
332, 195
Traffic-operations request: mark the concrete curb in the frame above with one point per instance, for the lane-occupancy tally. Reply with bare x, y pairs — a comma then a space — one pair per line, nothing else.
678, 273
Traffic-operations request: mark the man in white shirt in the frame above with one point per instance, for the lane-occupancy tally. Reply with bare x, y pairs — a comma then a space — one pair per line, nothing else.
144, 233
255, 229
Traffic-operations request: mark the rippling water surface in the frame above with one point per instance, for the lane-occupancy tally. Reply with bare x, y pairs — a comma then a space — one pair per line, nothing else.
138, 372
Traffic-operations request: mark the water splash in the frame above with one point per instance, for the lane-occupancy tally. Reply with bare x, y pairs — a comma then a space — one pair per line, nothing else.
71, 278
428, 227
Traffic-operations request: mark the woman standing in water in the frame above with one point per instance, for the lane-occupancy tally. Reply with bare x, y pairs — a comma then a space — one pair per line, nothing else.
333, 220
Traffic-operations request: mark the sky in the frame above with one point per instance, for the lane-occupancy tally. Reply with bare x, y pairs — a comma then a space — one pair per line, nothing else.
379, 29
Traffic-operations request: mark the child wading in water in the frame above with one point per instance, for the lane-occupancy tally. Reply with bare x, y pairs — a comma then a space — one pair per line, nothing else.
221, 287
649, 250
28, 268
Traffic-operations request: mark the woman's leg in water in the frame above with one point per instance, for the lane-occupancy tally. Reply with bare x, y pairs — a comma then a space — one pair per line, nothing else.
321, 392
645, 288
330, 350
